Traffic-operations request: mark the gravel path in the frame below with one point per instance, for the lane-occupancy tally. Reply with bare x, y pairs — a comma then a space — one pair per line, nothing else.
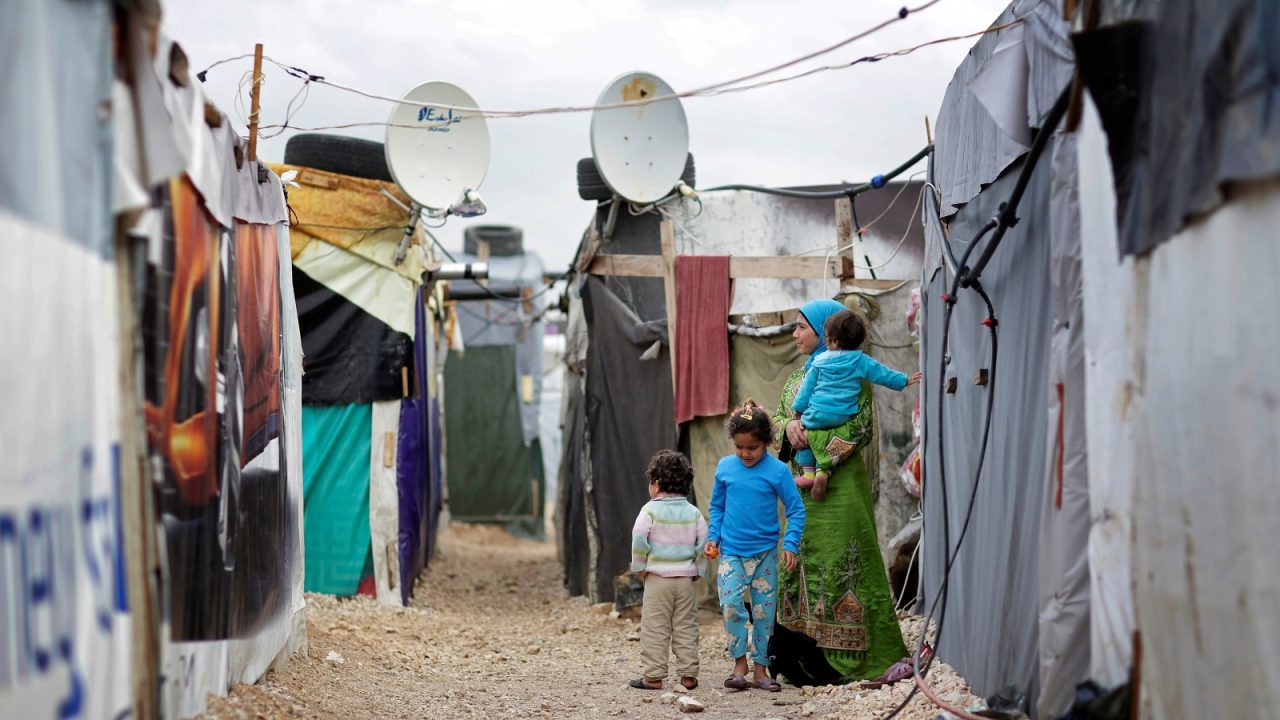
491, 634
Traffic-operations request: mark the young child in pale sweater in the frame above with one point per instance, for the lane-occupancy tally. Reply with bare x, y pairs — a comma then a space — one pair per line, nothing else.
666, 550
828, 397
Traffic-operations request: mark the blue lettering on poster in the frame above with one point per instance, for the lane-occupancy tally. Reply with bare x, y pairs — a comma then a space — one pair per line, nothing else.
39, 564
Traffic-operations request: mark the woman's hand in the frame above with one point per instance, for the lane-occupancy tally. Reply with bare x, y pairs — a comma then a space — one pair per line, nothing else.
796, 435
788, 560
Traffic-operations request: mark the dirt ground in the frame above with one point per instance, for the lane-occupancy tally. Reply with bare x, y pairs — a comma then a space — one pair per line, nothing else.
491, 633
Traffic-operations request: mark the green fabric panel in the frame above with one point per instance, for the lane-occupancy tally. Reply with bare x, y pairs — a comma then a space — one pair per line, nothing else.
758, 368
492, 476
335, 490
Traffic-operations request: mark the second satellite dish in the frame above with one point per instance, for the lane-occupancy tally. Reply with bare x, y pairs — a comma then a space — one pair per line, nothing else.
640, 150
437, 154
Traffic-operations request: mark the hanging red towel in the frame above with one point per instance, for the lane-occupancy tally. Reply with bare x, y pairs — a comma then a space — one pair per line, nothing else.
703, 294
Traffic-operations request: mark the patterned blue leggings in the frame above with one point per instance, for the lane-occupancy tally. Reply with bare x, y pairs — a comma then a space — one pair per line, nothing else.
760, 574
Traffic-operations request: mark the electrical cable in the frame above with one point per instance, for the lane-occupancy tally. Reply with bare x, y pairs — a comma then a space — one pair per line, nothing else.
948, 299
875, 183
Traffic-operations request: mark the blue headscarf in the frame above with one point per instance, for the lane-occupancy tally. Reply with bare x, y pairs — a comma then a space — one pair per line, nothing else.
816, 313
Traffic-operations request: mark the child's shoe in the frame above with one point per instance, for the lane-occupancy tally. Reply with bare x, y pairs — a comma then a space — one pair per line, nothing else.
804, 482
819, 491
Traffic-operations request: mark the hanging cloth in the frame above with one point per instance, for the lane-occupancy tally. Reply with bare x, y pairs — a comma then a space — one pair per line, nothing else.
701, 350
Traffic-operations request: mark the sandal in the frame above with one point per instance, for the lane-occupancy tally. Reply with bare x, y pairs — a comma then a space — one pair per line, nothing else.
691, 684
737, 682
642, 684
900, 670
768, 685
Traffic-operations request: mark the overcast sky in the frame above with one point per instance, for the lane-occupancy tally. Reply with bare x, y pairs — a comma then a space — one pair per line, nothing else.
843, 125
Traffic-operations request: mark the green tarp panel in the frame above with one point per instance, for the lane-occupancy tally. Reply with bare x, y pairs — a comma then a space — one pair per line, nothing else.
758, 367
493, 477
335, 486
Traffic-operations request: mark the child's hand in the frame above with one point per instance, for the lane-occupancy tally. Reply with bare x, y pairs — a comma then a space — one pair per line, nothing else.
788, 560
711, 550
914, 378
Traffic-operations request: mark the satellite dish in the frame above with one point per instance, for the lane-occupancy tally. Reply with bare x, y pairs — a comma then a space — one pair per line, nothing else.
640, 151
436, 155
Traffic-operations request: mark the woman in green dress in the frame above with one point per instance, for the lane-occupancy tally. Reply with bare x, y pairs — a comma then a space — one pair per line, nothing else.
838, 593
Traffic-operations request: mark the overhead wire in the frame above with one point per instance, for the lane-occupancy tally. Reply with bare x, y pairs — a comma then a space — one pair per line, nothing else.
728, 86
901, 15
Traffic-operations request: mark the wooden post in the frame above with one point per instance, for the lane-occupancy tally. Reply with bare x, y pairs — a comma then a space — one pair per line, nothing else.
482, 255
667, 231
255, 101
844, 234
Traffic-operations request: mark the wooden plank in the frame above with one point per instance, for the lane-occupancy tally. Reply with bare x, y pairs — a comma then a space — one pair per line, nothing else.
844, 236
786, 267
667, 231
627, 265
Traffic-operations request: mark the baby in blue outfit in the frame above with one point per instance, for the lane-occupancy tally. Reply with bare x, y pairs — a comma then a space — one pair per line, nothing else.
828, 397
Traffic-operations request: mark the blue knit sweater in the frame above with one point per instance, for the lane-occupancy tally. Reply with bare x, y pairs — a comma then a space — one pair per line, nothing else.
744, 507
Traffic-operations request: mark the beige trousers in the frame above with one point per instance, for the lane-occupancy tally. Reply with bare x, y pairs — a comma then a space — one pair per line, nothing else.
669, 625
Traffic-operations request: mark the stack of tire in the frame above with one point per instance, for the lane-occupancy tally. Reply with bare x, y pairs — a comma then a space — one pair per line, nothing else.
338, 154
591, 185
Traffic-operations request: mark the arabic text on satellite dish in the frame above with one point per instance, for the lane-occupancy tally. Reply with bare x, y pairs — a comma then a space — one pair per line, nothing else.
437, 154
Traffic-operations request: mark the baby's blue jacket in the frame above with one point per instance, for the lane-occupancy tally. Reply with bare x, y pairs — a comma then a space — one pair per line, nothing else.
834, 381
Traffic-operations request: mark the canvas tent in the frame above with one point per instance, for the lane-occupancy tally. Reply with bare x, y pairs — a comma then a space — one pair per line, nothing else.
152, 426
618, 385
1092, 523
493, 388
371, 399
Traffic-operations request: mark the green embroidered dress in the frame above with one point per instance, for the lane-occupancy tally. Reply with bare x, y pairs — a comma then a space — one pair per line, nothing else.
839, 592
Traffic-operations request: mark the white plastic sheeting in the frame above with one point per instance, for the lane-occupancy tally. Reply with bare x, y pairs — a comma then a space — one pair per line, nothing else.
1109, 300
1064, 508
1206, 586
64, 623
745, 223
384, 502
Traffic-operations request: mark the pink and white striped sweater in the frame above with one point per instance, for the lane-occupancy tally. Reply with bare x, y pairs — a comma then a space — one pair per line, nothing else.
667, 538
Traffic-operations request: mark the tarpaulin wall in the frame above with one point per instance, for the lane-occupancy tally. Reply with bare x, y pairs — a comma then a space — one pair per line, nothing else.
493, 393
573, 542
623, 435
64, 622
1018, 604
336, 452
1186, 432
990, 632
213, 333
414, 460
493, 475
1109, 298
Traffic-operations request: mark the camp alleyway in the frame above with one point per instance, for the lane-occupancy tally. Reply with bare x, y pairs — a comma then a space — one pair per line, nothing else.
490, 632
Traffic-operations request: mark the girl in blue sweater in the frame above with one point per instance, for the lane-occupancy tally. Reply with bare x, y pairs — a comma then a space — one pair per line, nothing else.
743, 534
